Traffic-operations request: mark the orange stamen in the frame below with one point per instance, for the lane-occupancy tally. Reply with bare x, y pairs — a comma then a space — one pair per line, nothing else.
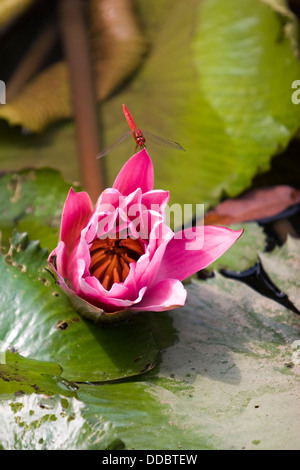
110, 259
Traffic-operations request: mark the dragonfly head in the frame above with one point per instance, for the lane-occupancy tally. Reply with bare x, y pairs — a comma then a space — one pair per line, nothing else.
139, 138
140, 141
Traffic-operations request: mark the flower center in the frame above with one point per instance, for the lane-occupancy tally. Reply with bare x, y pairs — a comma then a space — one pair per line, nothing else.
110, 259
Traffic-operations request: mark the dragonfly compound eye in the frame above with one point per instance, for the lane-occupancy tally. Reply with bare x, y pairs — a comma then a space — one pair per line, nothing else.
140, 140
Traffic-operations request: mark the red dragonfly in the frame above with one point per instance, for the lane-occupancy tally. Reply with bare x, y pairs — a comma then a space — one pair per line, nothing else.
138, 136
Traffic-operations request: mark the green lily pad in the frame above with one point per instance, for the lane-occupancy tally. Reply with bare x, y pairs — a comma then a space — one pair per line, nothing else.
37, 422
284, 266
230, 381
38, 319
20, 376
245, 251
32, 201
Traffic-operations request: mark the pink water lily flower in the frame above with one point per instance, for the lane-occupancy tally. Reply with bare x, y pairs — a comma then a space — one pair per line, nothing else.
121, 256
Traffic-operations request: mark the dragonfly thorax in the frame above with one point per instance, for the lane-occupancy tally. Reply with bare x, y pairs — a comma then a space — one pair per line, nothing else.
139, 138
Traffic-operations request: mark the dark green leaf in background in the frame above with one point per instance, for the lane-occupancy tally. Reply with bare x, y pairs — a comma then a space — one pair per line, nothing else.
221, 86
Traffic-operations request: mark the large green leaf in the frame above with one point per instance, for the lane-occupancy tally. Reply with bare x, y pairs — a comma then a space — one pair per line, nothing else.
32, 201
221, 86
20, 376
37, 319
53, 423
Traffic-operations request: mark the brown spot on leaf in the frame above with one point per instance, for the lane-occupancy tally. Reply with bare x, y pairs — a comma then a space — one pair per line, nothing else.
61, 325
44, 281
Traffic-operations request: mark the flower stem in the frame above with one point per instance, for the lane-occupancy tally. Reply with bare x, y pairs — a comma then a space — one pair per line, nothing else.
75, 41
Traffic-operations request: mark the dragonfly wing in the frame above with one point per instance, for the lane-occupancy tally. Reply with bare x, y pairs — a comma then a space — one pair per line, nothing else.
114, 145
162, 141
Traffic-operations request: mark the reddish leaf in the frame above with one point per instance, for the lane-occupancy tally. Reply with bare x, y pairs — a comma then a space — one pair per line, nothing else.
254, 205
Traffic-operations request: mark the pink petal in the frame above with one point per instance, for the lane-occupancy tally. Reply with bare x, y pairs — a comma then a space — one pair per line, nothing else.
119, 291
89, 289
93, 292
57, 259
57, 262
76, 213
78, 263
185, 255
147, 267
165, 295
109, 199
156, 200
136, 173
